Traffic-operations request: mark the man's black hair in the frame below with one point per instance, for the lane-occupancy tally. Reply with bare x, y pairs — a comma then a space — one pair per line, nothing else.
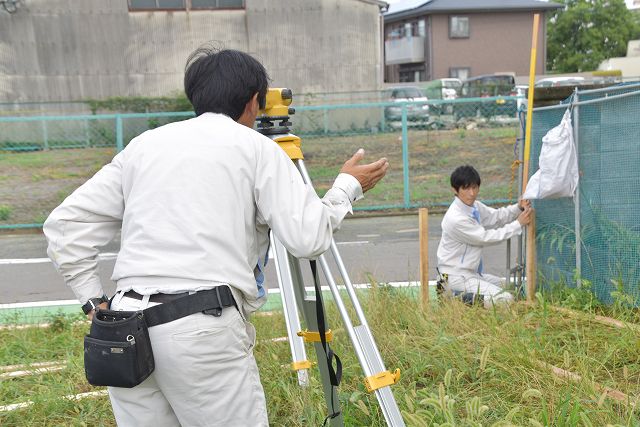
465, 176
223, 81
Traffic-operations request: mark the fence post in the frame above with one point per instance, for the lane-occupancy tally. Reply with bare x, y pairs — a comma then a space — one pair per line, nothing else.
423, 231
87, 137
405, 156
325, 120
45, 135
119, 136
576, 197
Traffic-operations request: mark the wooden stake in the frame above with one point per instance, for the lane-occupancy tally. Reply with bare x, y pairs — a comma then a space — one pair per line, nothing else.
598, 319
423, 231
572, 376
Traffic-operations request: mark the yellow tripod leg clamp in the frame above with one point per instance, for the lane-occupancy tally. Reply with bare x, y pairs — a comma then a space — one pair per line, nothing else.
315, 336
305, 364
381, 379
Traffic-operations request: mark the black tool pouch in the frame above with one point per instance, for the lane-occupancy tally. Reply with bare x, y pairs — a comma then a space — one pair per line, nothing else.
117, 351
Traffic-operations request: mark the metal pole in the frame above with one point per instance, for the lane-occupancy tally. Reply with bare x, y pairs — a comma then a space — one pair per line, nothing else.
508, 275
325, 120
87, 137
531, 231
119, 136
45, 135
576, 197
405, 157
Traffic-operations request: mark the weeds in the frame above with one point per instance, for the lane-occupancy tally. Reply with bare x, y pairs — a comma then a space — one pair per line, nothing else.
460, 366
5, 212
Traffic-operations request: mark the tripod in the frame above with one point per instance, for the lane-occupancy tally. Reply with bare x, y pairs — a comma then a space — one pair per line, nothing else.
295, 297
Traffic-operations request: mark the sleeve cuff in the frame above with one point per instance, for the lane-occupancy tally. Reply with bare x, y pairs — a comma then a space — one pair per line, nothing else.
350, 185
516, 227
90, 289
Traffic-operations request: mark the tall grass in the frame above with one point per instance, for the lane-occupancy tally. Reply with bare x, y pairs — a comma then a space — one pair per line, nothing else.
460, 366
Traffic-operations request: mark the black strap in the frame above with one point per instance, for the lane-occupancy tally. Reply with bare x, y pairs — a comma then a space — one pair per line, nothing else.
335, 375
211, 302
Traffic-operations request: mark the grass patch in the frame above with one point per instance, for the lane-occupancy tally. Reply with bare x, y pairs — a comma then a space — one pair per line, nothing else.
460, 365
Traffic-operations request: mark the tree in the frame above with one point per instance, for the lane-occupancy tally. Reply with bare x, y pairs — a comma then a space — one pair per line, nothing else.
586, 32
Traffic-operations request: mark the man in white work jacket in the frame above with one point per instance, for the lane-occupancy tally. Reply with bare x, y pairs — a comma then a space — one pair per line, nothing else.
467, 227
194, 201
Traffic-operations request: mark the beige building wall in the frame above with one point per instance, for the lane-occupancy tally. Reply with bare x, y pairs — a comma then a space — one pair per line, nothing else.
498, 42
71, 50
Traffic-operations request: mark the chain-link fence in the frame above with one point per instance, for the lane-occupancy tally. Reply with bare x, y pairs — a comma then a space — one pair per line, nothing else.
604, 219
44, 158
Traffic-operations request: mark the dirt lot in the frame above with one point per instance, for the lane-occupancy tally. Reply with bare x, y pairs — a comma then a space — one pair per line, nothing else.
33, 183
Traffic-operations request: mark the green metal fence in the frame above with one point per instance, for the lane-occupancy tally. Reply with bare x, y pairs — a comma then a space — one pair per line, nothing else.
594, 240
44, 158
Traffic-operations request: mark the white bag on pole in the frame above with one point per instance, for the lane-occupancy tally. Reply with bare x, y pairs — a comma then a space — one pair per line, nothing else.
558, 162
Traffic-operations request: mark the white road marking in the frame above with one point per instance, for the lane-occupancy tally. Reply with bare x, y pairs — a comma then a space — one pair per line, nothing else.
408, 230
40, 304
271, 291
103, 257
360, 242
367, 235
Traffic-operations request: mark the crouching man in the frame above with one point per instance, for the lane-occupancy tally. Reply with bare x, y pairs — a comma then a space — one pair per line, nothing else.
467, 227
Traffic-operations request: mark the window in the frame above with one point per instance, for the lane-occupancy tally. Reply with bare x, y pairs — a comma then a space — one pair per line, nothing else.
458, 27
413, 73
184, 4
407, 29
421, 28
461, 73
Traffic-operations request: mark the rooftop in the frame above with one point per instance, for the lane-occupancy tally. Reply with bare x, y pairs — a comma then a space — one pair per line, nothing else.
408, 8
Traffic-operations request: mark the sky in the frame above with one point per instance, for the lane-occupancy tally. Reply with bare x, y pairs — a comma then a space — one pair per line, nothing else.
629, 2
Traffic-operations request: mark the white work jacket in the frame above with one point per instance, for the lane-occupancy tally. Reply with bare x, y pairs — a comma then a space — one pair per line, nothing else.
195, 201
460, 248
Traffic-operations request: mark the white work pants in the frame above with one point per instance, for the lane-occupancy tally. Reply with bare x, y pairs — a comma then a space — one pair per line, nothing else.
205, 374
489, 286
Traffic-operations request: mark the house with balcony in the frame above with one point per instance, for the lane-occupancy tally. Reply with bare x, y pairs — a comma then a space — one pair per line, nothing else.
432, 39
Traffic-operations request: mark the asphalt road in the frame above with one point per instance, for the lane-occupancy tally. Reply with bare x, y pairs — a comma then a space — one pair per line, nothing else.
384, 248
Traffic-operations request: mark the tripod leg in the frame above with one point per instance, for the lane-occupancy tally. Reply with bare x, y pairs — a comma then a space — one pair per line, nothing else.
308, 305
290, 310
378, 379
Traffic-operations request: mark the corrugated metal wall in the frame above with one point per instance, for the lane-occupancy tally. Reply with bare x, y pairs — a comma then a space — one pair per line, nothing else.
69, 50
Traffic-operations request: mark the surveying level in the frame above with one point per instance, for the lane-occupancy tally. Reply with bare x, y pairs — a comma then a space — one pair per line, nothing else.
294, 295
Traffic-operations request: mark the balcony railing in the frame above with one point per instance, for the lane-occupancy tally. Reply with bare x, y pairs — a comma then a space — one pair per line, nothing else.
404, 50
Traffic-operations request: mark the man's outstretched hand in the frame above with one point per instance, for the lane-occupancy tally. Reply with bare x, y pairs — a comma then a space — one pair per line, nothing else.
368, 175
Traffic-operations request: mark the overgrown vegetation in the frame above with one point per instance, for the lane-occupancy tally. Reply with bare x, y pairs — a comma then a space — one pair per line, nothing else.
610, 250
140, 104
460, 366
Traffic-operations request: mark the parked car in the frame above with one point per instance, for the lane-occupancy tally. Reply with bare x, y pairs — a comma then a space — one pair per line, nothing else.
443, 89
415, 112
485, 86
560, 81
